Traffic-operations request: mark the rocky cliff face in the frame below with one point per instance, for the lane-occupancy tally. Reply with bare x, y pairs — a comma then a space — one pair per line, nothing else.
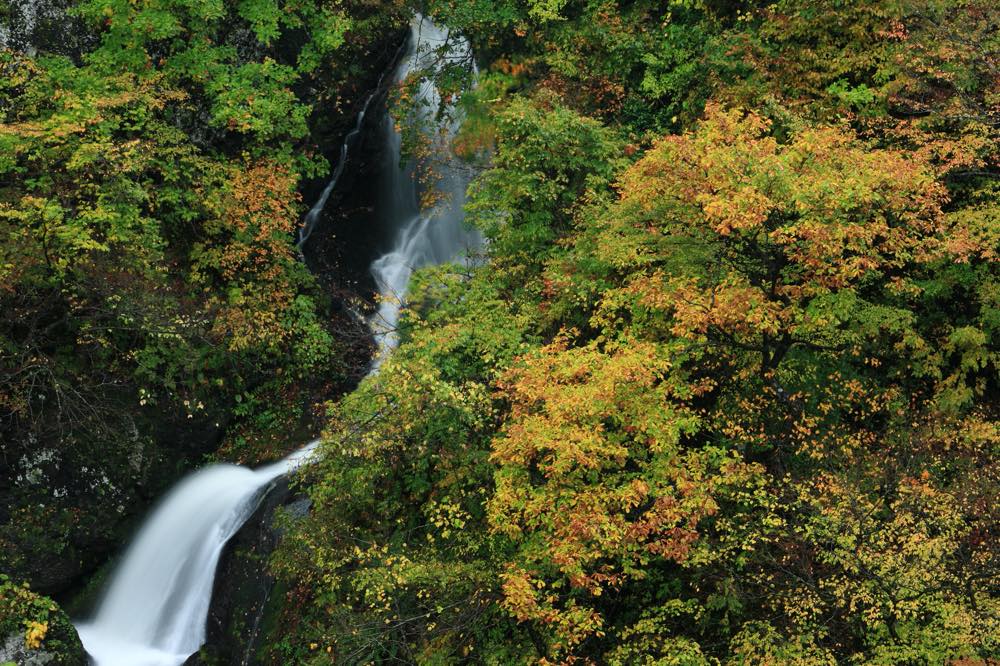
15, 650
68, 508
34, 26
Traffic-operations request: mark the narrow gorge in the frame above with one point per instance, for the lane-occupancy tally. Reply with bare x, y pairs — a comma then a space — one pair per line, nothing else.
154, 610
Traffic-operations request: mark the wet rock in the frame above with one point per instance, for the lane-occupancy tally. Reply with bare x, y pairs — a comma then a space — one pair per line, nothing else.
69, 504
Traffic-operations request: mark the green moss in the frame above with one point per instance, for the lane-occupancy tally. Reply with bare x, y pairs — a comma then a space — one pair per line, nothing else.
272, 630
82, 601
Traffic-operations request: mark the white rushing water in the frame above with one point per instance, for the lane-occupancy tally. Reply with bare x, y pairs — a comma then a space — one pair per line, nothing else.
312, 217
426, 237
155, 610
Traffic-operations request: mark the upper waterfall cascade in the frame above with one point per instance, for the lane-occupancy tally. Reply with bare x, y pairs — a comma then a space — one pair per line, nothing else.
424, 237
155, 608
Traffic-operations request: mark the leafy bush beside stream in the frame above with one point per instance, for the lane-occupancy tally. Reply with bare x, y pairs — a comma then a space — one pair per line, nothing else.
34, 627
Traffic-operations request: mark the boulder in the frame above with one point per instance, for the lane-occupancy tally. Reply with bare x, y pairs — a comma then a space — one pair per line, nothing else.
34, 630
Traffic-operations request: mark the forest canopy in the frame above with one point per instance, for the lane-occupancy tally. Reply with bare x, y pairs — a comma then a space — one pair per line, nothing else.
724, 386
721, 387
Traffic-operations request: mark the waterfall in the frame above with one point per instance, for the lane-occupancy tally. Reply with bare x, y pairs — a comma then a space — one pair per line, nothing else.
425, 237
309, 223
155, 609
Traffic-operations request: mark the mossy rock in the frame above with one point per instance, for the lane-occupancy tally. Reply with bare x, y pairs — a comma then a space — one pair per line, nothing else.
34, 630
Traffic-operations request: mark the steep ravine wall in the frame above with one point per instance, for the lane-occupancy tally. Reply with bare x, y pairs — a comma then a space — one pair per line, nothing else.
42, 26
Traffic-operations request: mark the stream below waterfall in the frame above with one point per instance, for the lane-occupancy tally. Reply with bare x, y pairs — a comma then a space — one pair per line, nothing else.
154, 610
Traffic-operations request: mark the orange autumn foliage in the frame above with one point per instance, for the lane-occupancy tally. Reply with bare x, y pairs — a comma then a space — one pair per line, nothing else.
593, 481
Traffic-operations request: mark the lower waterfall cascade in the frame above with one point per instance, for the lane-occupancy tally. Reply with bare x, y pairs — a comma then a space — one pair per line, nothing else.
155, 608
